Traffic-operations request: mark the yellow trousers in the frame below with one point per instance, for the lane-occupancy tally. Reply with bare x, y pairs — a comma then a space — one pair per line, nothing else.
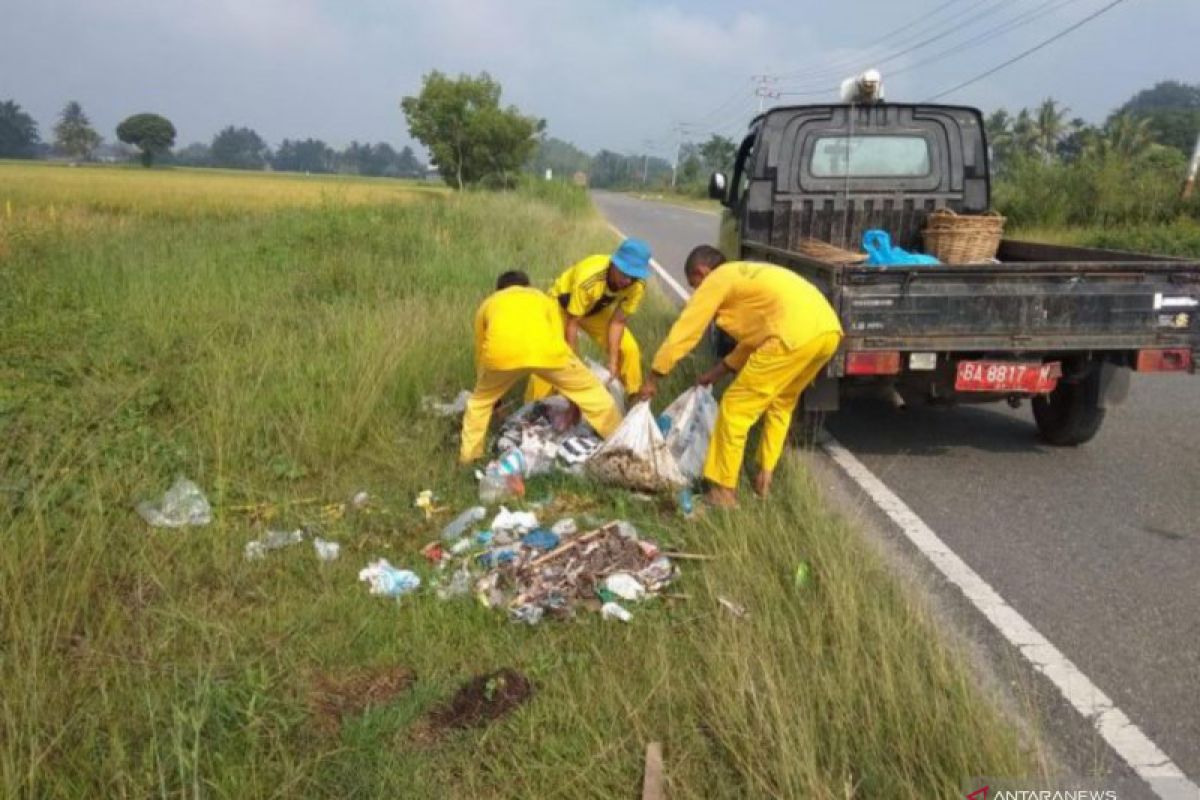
597, 328
769, 386
574, 382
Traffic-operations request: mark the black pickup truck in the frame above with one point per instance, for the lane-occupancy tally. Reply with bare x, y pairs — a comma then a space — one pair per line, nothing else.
1064, 326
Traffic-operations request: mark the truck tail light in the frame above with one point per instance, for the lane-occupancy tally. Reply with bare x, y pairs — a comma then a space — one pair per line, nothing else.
1176, 359
883, 362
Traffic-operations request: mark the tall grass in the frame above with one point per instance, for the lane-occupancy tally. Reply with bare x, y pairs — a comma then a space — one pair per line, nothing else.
279, 354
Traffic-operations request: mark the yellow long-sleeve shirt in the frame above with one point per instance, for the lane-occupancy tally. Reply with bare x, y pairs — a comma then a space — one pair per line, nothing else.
752, 302
519, 328
582, 289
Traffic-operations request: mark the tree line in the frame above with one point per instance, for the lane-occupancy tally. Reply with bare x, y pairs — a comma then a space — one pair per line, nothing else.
233, 147
1051, 169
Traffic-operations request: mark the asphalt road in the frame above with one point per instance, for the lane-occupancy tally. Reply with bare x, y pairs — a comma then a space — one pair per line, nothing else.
1097, 546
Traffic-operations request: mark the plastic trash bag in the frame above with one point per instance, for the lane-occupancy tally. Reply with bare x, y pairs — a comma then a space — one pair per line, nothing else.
880, 251
636, 456
692, 418
611, 382
388, 581
182, 505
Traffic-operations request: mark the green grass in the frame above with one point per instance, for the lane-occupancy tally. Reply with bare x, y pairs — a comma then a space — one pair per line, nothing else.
280, 355
1178, 238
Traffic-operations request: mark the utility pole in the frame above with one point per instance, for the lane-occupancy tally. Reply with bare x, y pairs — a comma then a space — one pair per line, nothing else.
1189, 185
646, 145
761, 91
680, 129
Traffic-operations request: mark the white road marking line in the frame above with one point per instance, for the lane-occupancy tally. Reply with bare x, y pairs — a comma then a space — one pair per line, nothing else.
667, 278
1127, 740
1145, 758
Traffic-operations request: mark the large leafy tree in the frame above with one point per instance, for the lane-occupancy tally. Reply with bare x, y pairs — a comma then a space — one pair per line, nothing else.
150, 133
1173, 109
74, 135
238, 148
18, 132
717, 154
470, 136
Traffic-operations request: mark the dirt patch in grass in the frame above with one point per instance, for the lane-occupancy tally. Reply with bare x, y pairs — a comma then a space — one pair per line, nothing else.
333, 698
483, 699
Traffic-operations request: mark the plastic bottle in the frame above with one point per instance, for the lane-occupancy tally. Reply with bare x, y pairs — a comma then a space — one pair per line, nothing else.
459, 525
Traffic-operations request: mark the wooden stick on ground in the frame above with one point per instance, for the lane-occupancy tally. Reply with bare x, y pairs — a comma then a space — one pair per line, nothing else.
652, 783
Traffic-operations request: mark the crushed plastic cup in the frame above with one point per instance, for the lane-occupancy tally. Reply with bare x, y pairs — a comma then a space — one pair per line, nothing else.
274, 540
540, 539
565, 527
386, 580
360, 500
459, 585
181, 506
615, 611
528, 614
518, 522
625, 586
460, 524
326, 550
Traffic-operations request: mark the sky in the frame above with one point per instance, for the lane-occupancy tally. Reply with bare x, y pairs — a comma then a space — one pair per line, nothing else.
616, 74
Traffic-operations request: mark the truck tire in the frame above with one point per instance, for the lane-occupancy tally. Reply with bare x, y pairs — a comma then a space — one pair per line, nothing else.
1071, 414
808, 428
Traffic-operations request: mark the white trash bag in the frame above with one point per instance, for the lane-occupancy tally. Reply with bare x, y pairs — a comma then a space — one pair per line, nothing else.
636, 456
610, 382
692, 418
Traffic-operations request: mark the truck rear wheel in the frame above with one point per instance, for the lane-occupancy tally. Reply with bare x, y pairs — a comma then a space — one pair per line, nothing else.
1071, 414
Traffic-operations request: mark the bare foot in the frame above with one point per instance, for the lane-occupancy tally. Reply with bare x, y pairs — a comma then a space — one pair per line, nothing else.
720, 497
762, 482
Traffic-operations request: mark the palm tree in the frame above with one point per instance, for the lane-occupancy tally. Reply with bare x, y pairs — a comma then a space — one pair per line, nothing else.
1050, 127
1128, 136
1024, 133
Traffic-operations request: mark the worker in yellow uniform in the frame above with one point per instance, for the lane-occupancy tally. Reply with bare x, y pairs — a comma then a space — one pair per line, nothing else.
518, 333
598, 295
786, 331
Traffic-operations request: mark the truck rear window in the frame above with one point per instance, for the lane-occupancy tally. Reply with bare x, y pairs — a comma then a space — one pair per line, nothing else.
870, 157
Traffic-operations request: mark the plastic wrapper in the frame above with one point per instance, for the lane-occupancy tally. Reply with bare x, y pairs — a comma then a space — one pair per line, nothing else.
183, 505
691, 419
636, 456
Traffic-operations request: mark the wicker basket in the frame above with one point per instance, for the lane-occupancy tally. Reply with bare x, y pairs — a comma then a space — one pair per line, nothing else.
824, 251
963, 239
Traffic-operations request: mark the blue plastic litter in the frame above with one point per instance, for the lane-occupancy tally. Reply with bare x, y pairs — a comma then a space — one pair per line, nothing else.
540, 539
501, 556
664, 424
881, 253
483, 538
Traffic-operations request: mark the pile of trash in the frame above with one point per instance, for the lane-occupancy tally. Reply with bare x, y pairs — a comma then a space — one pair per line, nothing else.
644, 454
530, 571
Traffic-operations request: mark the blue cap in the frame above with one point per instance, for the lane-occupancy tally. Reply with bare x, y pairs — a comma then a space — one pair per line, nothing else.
633, 258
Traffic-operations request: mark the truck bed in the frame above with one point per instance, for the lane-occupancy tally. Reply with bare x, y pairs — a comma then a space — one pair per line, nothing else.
1039, 297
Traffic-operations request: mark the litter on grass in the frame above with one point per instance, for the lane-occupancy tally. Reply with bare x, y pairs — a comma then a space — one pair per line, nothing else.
181, 506
388, 581
272, 540
454, 408
689, 425
326, 550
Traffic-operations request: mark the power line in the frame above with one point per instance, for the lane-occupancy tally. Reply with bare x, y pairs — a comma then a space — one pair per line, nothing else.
1029, 52
1045, 9
938, 30
941, 34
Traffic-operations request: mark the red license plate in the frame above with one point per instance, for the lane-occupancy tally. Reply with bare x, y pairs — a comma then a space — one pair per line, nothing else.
1007, 376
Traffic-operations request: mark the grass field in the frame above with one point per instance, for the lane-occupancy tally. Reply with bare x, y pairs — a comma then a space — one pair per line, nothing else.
271, 337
